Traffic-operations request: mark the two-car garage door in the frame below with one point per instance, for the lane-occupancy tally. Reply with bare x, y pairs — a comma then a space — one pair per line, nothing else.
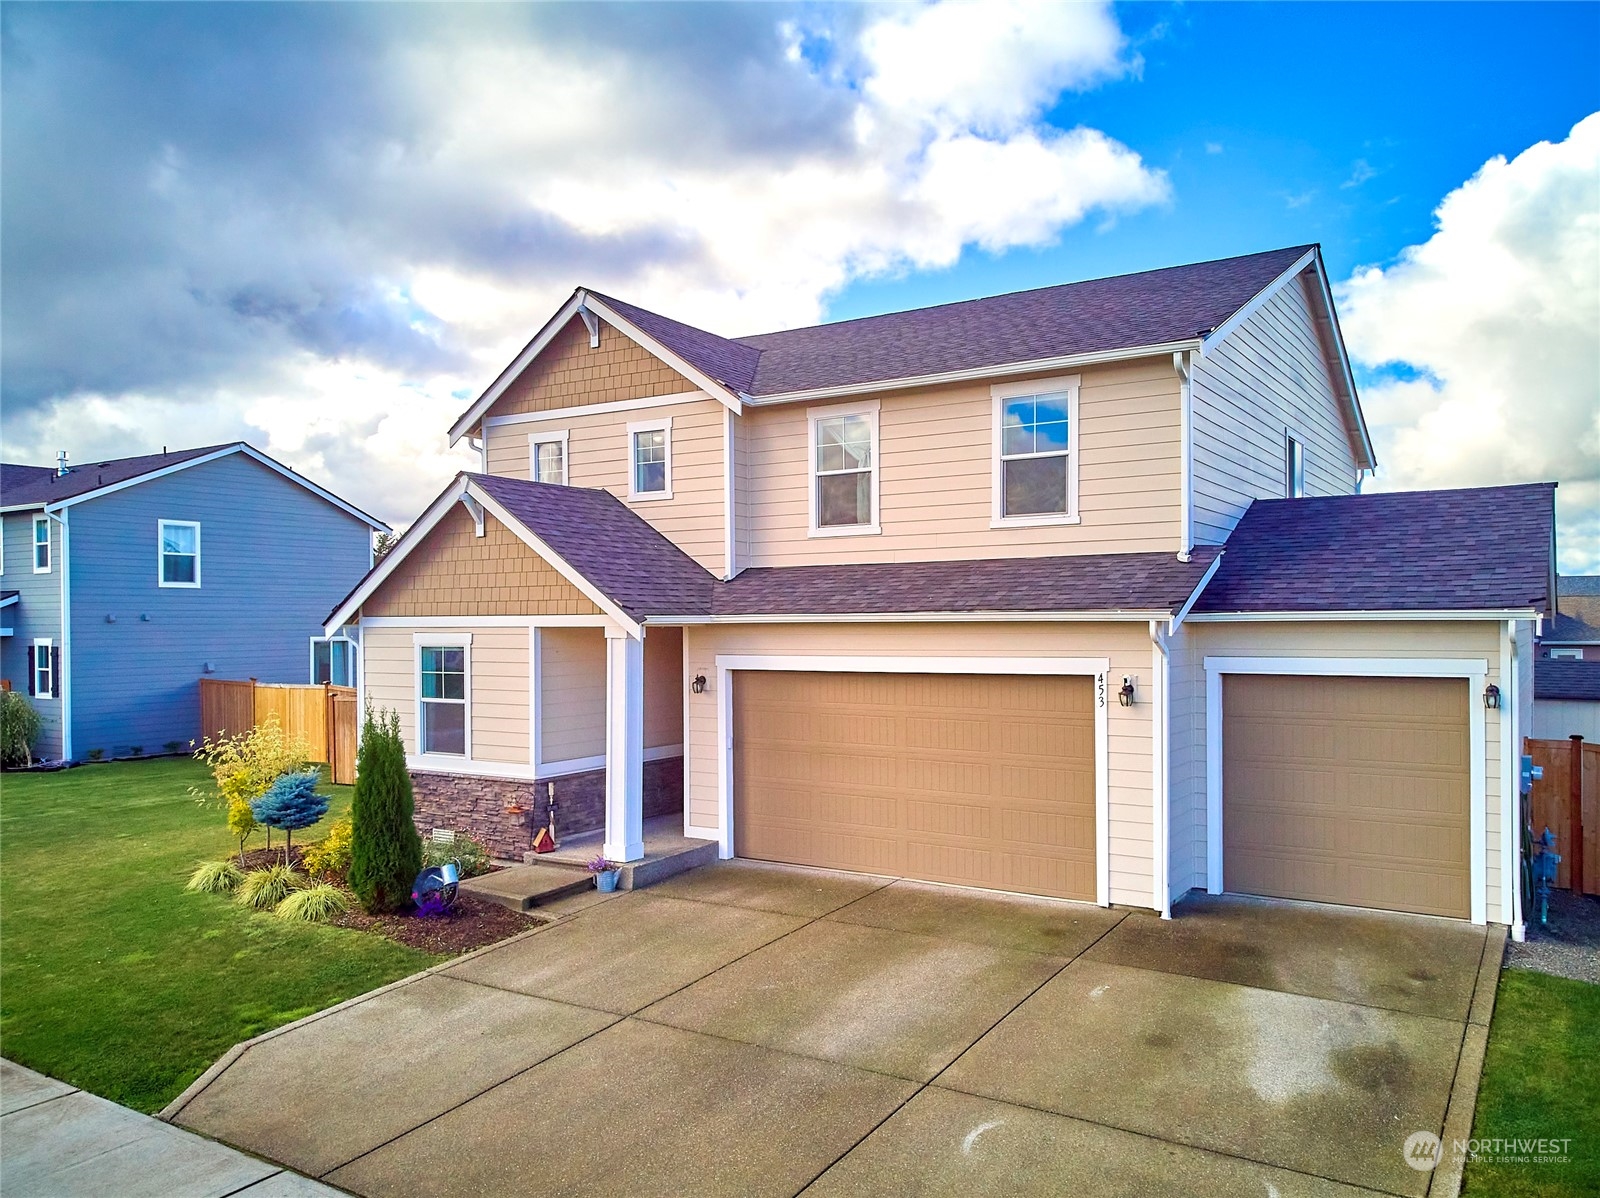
978, 780
1348, 790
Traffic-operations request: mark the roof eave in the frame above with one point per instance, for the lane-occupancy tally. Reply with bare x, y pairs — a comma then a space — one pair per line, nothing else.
1139, 615
1393, 614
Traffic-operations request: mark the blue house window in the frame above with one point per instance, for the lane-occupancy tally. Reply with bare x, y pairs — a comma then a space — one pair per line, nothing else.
180, 553
332, 661
41, 544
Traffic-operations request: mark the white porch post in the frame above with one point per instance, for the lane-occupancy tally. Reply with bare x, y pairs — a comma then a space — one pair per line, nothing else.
624, 746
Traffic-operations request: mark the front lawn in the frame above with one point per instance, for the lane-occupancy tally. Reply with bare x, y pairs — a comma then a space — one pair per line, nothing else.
1541, 1080
116, 979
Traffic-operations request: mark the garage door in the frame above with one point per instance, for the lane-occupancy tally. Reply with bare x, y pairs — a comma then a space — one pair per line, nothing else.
1348, 790
974, 780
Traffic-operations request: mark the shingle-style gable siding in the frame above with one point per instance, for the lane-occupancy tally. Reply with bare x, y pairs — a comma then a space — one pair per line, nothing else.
1269, 379
569, 373
454, 572
37, 613
274, 557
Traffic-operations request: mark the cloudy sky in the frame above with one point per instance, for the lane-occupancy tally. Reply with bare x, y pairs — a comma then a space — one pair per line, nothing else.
325, 228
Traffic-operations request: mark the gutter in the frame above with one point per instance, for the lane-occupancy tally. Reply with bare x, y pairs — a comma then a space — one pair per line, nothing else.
1494, 614
914, 617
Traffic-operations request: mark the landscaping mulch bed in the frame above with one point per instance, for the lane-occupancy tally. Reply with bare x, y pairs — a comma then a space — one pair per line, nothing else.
471, 923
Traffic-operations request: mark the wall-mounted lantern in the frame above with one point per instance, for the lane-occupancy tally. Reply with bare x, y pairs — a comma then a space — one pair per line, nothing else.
1491, 697
1125, 695
698, 686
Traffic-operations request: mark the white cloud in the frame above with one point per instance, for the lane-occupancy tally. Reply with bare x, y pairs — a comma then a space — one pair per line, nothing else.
337, 288
1485, 339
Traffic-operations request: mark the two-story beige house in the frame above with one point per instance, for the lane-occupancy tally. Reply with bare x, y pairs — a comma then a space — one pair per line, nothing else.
1069, 592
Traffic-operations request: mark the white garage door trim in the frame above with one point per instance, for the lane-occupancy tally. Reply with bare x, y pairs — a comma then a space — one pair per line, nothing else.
1094, 667
1475, 670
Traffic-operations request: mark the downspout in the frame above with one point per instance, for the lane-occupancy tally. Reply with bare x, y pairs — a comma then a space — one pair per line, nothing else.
1182, 363
481, 445
64, 683
1161, 762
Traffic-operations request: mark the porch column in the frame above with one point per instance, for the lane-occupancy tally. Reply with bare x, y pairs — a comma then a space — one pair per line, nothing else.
624, 746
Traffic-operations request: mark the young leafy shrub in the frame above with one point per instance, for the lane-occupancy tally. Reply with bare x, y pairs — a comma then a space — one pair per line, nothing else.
330, 856
291, 803
97, 754
264, 889
385, 850
243, 766
216, 877
173, 746
313, 904
20, 725
470, 856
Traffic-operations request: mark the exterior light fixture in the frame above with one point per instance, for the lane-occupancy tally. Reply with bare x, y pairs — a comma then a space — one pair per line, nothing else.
698, 686
1491, 697
1125, 695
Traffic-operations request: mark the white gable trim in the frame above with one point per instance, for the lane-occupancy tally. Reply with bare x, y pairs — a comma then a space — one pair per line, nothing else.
345, 613
582, 302
241, 447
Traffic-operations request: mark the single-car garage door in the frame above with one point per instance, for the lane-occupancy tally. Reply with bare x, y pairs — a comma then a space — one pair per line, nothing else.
1348, 790
974, 780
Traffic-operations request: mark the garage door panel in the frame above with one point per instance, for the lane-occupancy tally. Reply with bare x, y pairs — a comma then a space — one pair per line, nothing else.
969, 779
1348, 790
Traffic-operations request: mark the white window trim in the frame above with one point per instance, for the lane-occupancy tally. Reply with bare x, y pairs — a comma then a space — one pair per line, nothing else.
551, 436
1293, 488
1096, 668
1473, 670
813, 416
1566, 655
47, 644
311, 659
161, 533
661, 425
420, 641
999, 395
49, 550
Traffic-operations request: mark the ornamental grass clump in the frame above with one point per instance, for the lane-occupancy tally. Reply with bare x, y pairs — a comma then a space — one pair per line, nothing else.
314, 904
385, 850
215, 877
264, 889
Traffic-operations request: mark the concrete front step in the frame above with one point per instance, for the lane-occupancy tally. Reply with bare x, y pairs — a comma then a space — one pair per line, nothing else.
521, 887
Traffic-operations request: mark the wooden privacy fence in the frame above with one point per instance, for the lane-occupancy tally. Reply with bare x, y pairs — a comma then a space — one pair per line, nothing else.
325, 717
1567, 801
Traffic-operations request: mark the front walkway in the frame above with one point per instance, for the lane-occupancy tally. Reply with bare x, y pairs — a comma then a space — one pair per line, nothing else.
751, 1030
58, 1142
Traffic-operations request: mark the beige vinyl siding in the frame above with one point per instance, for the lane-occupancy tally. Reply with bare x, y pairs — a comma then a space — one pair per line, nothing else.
1479, 641
572, 694
599, 455
1127, 646
569, 372
663, 687
499, 691
936, 475
1267, 380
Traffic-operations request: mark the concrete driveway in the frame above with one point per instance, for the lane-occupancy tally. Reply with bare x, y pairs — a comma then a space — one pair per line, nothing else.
748, 1030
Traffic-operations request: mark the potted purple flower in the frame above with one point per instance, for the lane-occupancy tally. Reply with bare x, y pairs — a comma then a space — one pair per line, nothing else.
605, 873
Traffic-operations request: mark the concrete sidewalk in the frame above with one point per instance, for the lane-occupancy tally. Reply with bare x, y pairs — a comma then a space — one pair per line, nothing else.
58, 1142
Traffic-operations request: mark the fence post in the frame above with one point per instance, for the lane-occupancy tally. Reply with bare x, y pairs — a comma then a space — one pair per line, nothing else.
1575, 816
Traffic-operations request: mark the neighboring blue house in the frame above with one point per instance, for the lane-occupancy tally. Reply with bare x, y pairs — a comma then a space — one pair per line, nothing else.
122, 583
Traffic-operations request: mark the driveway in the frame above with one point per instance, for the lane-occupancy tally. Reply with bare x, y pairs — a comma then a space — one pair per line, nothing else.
747, 1029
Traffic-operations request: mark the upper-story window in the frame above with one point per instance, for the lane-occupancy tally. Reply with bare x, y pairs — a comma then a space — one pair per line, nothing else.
844, 470
1294, 468
650, 459
41, 544
547, 457
1036, 452
179, 564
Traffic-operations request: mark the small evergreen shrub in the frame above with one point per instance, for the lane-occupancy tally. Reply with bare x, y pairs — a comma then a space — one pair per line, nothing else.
330, 856
20, 726
216, 877
264, 889
291, 803
314, 904
470, 856
385, 850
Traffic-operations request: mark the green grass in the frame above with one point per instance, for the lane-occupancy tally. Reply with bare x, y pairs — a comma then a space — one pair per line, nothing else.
1541, 1079
119, 981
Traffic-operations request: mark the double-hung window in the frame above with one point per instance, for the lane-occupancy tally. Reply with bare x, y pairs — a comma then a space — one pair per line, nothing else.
42, 670
844, 470
1294, 468
179, 564
650, 459
442, 696
333, 661
547, 457
1036, 452
41, 544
